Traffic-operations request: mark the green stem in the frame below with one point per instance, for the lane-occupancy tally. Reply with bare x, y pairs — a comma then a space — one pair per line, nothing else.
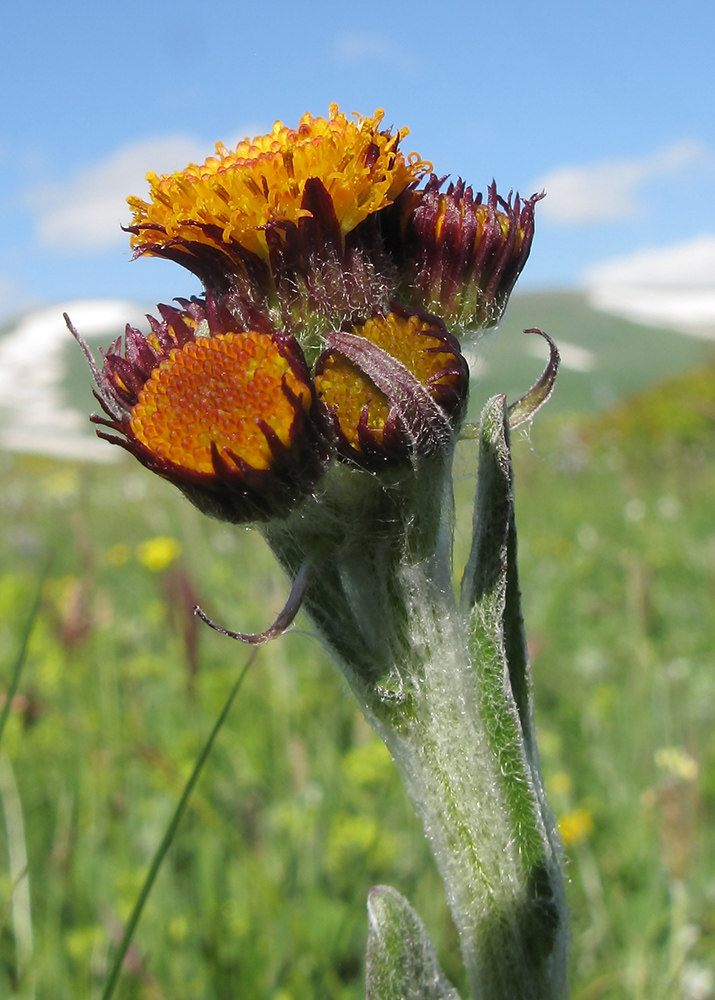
458, 748
168, 837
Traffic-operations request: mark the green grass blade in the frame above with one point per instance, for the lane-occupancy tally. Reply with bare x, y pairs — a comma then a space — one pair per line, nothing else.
169, 836
24, 642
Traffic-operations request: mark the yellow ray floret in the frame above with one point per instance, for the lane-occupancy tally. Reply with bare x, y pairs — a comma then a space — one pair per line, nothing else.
263, 180
215, 391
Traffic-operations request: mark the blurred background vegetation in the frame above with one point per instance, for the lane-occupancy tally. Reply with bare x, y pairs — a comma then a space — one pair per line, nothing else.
299, 810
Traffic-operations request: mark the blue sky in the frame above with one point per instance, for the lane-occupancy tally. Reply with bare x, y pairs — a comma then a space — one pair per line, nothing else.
609, 106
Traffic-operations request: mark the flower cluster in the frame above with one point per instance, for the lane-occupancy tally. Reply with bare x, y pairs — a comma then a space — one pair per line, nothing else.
317, 224
329, 276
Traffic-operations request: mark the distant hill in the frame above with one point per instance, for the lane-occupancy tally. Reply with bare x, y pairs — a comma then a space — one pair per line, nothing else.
45, 387
604, 358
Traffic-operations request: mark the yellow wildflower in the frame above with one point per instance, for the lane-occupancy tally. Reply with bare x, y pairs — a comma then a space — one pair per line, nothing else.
158, 553
575, 826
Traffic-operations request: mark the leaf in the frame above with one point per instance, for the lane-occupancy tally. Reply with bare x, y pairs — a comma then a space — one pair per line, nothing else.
401, 960
491, 597
491, 576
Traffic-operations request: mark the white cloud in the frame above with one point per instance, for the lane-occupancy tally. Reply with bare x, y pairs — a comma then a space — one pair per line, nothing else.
7, 287
607, 191
690, 264
361, 45
8, 296
672, 286
86, 212
13, 299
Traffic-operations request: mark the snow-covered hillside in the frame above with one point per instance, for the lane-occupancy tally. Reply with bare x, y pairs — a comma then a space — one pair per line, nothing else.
35, 416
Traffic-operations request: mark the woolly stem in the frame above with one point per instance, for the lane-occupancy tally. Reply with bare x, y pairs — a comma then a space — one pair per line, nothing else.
448, 689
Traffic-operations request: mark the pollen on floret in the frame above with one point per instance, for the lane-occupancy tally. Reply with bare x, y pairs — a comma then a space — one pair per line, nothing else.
357, 404
219, 392
262, 181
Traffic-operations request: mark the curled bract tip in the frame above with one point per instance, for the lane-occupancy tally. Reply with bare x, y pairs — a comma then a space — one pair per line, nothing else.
525, 408
284, 620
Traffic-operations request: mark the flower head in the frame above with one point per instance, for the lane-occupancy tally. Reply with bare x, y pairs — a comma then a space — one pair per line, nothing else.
460, 255
157, 553
313, 243
396, 386
271, 221
575, 826
234, 197
227, 414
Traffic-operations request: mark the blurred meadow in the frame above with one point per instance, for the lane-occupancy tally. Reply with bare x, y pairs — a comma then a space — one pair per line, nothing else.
299, 810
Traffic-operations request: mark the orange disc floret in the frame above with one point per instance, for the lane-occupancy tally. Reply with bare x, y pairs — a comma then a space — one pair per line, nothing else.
370, 409
417, 342
218, 393
358, 406
230, 197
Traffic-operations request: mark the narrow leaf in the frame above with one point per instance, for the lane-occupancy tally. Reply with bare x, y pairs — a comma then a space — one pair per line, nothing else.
491, 597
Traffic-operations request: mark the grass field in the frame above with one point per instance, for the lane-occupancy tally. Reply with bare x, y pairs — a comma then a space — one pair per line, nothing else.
299, 810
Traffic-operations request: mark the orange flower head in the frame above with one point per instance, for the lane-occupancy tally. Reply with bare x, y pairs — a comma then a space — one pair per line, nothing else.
235, 195
327, 221
227, 414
